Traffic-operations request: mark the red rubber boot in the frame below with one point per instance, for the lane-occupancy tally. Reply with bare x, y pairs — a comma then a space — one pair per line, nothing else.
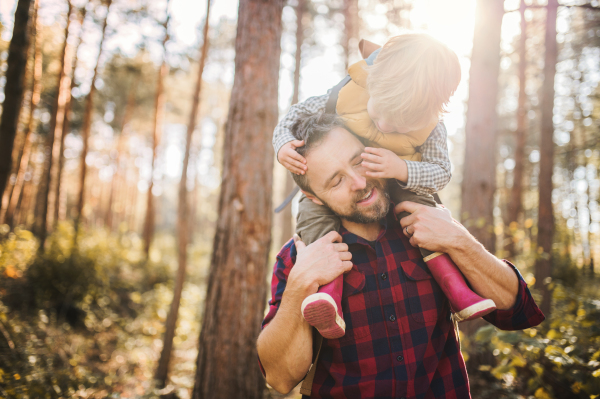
466, 304
323, 310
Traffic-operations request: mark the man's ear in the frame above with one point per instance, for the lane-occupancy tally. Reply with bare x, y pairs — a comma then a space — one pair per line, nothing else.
312, 198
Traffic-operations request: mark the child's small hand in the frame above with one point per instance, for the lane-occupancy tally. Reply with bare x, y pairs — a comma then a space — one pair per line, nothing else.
290, 159
382, 163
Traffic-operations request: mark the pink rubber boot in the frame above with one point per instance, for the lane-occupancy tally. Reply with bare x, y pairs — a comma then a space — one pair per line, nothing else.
466, 304
323, 310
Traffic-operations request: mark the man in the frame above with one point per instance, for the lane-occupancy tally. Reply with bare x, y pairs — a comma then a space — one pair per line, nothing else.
400, 341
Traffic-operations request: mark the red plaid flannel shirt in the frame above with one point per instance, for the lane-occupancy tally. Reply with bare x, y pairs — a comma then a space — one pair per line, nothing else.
400, 341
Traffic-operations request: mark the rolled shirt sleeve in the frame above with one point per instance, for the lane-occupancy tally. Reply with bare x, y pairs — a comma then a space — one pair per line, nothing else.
523, 314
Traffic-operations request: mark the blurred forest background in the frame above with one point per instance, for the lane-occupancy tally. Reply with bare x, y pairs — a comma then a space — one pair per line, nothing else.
137, 180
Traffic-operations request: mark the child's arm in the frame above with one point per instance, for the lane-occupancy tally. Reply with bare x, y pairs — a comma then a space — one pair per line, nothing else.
426, 177
282, 135
433, 173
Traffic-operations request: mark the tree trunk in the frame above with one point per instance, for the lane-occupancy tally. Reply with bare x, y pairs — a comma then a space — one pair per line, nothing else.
159, 116
479, 169
120, 151
13, 89
87, 125
58, 196
543, 265
53, 139
516, 194
350, 40
36, 88
236, 294
24, 206
20, 141
286, 214
182, 219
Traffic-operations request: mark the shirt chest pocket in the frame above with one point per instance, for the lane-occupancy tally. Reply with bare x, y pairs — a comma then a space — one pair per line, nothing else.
355, 306
423, 294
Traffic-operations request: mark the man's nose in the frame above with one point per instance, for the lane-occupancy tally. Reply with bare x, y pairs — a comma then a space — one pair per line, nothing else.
359, 182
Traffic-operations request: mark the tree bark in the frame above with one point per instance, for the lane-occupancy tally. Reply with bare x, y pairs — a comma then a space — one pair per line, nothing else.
36, 88
58, 195
159, 116
53, 139
14, 88
87, 125
543, 265
286, 214
350, 40
515, 206
236, 294
479, 169
182, 219
120, 150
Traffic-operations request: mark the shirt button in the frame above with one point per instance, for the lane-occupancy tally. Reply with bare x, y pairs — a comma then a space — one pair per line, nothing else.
384, 276
392, 318
400, 358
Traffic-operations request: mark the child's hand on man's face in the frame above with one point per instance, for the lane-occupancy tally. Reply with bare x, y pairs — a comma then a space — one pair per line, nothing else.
290, 159
382, 163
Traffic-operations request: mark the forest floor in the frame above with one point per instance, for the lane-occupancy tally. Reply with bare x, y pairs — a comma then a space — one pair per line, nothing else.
93, 327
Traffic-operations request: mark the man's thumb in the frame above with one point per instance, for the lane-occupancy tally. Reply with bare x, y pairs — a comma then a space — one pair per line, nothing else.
300, 245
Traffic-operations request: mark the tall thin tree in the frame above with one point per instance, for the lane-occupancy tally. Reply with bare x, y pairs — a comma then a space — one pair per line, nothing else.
516, 193
58, 194
117, 176
226, 365
286, 214
543, 265
87, 123
53, 138
350, 38
183, 213
14, 88
14, 197
159, 116
479, 168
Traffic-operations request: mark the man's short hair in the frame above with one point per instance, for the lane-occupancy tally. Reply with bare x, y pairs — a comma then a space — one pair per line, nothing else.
312, 128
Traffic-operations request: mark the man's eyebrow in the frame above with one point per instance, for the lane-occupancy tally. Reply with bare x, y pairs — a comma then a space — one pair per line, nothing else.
335, 173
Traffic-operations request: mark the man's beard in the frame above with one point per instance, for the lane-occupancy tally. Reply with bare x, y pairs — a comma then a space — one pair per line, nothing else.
374, 213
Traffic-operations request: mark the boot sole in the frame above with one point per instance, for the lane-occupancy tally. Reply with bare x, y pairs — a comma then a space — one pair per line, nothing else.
320, 311
476, 311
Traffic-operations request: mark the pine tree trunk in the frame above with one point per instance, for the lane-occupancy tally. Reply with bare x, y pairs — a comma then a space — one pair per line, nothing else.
20, 141
159, 116
36, 88
515, 206
14, 88
543, 265
54, 135
120, 150
182, 219
87, 125
236, 294
286, 214
479, 169
60, 197
350, 40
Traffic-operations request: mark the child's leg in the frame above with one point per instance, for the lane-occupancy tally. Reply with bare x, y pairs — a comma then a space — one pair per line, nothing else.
322, 310
314, 221
467, 305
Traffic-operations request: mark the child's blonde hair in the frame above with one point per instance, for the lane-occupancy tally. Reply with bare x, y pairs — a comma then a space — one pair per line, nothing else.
412, 80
